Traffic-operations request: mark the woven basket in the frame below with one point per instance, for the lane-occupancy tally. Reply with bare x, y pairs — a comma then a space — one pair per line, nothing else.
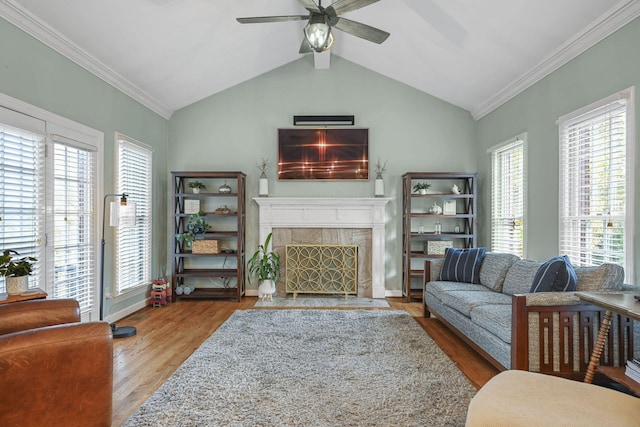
205, 247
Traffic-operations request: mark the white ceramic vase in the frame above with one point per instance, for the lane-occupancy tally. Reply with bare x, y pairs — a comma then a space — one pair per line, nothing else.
266, 290
17, 285
378, 187
263, 186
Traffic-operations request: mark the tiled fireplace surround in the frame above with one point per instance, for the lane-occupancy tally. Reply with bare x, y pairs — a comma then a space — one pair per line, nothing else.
322, 220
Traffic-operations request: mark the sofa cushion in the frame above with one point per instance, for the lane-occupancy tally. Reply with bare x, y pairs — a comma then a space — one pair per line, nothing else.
605, 277
437, 289
465, 301
520, 276
494, 269
462, 265
555, 275
495, 319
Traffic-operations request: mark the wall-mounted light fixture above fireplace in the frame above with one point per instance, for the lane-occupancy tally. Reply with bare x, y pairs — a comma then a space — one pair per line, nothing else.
324, 120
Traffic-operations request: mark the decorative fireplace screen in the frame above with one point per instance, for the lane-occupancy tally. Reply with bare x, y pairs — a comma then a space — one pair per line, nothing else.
322, 269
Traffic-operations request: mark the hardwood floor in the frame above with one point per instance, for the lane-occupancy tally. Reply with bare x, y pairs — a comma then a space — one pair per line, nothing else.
168, 335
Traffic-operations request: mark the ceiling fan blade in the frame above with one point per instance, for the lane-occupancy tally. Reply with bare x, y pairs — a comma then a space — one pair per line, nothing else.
344, 6
310, 5
261, 19
361, 30
305, 47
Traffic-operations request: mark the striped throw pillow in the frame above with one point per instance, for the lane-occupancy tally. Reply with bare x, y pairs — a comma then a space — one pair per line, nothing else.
555, 275
462, 265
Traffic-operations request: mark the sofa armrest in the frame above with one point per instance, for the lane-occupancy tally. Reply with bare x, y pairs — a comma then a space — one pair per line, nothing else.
549, 299
432, 269
430, 273
555, 334
57, 376
21, 316
630, 288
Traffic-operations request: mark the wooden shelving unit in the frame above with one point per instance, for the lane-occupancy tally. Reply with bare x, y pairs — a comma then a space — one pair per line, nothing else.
418, 224
220, 275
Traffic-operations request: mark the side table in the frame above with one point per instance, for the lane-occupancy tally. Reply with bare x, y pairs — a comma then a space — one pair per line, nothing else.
35, 293
613, 302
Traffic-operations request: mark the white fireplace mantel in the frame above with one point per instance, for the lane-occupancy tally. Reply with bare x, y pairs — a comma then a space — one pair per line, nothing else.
330, 212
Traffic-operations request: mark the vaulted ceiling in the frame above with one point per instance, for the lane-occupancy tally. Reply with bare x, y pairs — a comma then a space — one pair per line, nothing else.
170, 53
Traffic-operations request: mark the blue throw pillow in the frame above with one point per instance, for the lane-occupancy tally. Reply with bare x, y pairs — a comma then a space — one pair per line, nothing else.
555, 275
462, 265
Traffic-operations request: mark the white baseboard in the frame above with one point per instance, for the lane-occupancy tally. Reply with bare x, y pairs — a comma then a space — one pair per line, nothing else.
114, 317
387, 293
393, 294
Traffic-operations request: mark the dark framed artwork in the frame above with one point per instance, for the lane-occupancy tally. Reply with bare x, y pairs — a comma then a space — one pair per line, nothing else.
323, 154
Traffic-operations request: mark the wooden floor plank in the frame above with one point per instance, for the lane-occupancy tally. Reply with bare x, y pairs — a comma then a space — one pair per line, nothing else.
168, 335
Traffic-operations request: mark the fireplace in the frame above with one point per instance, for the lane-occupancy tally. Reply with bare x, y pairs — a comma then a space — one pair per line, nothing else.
325, 220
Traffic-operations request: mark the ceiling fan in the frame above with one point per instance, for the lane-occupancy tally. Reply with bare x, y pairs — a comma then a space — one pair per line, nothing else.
317, 33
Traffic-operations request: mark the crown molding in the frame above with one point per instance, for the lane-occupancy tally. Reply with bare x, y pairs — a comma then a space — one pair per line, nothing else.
610, 22
27, 22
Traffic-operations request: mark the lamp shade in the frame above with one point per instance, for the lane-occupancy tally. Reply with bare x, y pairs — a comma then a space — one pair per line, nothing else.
318, 33
122, 215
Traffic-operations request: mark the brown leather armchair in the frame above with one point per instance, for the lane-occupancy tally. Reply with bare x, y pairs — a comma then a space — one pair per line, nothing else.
54, 371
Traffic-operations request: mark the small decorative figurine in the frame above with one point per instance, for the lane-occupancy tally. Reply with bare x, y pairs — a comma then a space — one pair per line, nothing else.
435, 209
224, 188
455, 189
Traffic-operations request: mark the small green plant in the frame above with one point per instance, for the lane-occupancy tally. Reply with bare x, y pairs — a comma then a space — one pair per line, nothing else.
11, 267
197, 184
197, 224
263, 264
421, 186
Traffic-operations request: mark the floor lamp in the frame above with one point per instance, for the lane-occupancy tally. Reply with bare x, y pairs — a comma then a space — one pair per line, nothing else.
121, 331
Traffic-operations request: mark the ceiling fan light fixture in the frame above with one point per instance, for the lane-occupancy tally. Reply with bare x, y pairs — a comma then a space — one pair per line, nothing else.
318, 33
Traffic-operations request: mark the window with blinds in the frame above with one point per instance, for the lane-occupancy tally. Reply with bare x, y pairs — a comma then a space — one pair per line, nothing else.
508, 197
133, 244
48, 193
22, 222
596, 182
74, 201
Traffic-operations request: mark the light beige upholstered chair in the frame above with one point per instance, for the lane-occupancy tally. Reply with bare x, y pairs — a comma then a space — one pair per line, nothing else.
521, 398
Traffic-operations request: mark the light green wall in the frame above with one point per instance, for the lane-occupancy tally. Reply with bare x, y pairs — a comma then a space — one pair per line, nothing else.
412, 130
34, 73
610, 66
234, 129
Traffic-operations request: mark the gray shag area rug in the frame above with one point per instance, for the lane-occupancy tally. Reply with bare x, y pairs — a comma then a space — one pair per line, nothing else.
313, 368
332, 302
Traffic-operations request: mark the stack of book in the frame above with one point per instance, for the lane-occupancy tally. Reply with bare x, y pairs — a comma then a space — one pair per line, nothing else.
633, 369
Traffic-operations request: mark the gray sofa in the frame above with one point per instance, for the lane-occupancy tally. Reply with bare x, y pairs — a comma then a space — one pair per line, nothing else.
550, 332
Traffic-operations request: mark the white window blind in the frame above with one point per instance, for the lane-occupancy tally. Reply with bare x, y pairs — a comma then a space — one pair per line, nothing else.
74, 216
133, 244
508, 198
48, 188
595, 183
22, 221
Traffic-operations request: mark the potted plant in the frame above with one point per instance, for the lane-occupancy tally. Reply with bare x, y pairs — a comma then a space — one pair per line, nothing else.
16, 271
197, 224
421, 187
196, 186
265, 265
